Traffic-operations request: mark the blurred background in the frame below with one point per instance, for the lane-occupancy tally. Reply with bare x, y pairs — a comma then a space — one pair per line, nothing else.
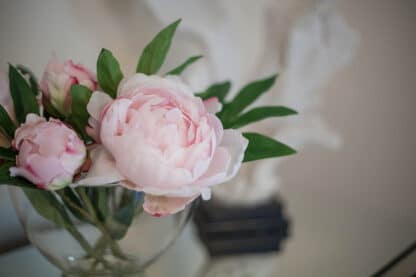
348, 67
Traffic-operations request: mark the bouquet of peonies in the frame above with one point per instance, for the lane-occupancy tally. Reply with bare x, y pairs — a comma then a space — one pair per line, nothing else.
71, 140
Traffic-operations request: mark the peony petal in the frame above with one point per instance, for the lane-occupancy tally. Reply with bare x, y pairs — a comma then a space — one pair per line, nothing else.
165, 205
103, 170
217, 126
97, 103
227, 159
212, 105
217, 171
236, 145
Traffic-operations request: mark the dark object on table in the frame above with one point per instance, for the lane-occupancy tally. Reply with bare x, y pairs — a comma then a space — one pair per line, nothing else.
237, 229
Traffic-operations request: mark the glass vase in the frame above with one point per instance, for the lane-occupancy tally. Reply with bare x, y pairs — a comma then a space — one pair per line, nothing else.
96, 249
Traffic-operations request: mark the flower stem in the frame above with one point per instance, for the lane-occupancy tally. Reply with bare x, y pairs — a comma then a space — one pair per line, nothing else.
113, 245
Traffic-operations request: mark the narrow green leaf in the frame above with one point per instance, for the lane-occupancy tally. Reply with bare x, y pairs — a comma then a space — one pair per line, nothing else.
7, 126
16, 181
32, 78
24, 100
178, 70
123, 217
100, 201
48, 206
71, 199
219, 90
246, 96
6, 179
7, 154
4, 168
155, 52
260, 113
109, 73
263, 147
79, 115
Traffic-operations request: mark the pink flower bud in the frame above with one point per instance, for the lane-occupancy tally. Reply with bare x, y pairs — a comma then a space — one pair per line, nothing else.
57, 81
50, 153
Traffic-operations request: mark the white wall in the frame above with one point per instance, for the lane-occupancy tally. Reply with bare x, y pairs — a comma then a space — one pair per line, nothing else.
352, 209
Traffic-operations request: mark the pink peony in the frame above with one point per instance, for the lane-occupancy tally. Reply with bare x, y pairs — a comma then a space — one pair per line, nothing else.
50, 153
163, 141
58, 79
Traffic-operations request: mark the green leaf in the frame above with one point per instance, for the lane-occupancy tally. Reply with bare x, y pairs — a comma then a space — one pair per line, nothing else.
24, 100
155, 52
100, 201
245, 97
70, 198
4, 168
219, 90
260, 113
16, 181
123, 217
6, 179
51, 111
7, 126
48, 206
32, 79
263, 147
109, 73
178, 70
7, 154
79, 115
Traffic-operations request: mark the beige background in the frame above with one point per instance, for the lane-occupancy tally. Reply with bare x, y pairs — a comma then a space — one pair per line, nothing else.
352, 209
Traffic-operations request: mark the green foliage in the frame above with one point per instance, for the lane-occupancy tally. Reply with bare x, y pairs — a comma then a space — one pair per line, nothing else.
7, 126
72, 203
109, 73
100, 198
32, 79
155, 52
7, 154
79, 115
246, 96
6, 179
178, 70
219, 90
48, 206
51, 111
24, 100
260, 113
121, 220
263, 147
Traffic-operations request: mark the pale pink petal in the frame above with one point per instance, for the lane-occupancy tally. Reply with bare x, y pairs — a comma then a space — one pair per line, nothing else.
236, 145
227, 159
216, 124
45, 168
217, 171
212, 105
165, 205
103, 170
25, 173
93, 129
97, 103
144, 167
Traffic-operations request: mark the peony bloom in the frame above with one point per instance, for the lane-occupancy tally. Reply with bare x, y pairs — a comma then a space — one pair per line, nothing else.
50, 153
57, 81
6, 102
163, 141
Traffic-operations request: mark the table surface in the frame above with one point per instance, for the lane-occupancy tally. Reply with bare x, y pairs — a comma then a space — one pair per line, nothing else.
187, 258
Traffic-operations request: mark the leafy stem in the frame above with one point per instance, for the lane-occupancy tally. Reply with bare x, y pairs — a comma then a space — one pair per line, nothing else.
113, 245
